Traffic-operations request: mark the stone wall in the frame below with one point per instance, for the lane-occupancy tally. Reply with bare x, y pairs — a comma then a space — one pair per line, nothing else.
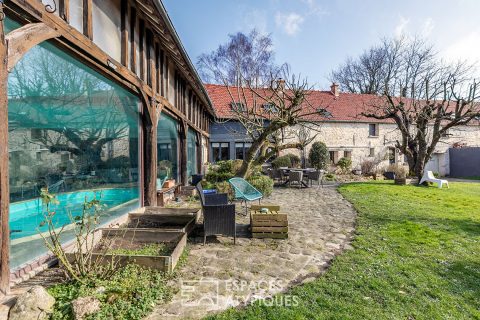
354, 139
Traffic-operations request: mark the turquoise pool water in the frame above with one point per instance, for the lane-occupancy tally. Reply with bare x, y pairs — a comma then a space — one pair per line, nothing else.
26, 216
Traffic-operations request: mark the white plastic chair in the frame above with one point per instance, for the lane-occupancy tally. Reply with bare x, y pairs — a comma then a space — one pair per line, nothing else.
429, 177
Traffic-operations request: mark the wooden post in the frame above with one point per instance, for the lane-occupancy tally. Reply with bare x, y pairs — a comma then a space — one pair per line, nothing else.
87, 19
183, 152
150, 149
150, 167
4, 183
199, 152
124, 32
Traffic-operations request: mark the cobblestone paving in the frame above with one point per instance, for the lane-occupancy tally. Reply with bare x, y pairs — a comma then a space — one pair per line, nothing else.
221, 275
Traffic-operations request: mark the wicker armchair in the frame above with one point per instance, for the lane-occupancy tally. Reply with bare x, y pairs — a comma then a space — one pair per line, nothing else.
295, 177
316, 176
218, 215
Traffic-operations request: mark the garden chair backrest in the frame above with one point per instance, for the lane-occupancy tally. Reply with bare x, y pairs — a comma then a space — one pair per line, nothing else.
242, 187
430, 175
315, 175
295, 176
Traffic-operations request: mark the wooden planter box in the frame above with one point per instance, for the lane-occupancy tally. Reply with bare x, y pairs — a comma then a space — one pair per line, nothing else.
165, 219
126, 237
188, 191
272, 225
401, 181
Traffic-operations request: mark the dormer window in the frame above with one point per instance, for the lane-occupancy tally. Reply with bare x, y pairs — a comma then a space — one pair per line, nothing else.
324, 112
237, 106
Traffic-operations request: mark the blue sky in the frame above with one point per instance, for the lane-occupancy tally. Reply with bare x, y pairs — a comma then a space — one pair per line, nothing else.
315, 36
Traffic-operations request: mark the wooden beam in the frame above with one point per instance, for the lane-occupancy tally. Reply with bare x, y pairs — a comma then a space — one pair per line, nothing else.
4, 183
133, 44
141, 45
124, 31
24, 38
150, 116
183, 152
87, 19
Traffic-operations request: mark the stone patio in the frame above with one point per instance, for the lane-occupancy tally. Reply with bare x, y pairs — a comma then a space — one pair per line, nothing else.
221, 275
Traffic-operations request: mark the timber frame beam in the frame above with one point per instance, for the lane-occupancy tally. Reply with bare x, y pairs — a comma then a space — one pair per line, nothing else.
13, 47
34, 11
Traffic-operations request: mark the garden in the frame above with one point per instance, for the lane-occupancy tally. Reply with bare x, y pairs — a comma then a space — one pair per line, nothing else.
414, 257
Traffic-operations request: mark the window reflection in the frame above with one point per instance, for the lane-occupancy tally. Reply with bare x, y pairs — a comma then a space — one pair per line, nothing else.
73, 131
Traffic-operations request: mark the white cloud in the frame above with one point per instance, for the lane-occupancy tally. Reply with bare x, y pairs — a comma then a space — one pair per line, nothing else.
314, 8
401, 27
465, 48
428, 26
290, 23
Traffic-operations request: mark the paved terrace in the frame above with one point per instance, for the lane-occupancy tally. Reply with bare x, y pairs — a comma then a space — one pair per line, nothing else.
220, 275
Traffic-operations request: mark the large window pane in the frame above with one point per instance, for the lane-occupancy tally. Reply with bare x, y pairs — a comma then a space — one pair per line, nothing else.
106, 26
73, 131
76, 14
10, 25
191, 153
167, 137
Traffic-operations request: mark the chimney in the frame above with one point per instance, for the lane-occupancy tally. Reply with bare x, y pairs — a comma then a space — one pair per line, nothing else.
281, 84
334, 89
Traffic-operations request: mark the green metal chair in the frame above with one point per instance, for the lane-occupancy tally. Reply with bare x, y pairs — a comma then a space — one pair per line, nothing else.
244, 191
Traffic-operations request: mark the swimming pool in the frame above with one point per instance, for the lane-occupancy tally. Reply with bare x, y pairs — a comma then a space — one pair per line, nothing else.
26, 216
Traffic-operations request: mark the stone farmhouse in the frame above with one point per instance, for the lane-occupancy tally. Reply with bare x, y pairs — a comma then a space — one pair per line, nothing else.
345, 132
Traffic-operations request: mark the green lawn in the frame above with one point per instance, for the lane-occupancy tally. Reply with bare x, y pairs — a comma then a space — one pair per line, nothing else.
417, 256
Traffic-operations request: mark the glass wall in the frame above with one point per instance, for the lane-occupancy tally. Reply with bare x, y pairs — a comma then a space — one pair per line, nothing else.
73, 131
191, 153
167, 146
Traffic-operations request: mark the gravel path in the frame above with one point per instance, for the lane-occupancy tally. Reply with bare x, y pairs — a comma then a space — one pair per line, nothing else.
221, 275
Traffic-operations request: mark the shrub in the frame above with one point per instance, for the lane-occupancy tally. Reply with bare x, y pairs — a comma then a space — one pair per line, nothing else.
262, 183
131, 293
214, 177
221, 171
283, 161
399, 170
344, 164
294, 159
368, 167
224, 187
330, 177
319, 156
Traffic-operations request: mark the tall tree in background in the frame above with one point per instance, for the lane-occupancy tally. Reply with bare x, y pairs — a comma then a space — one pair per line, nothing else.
394, 65
245, 58
422, 94
266, 112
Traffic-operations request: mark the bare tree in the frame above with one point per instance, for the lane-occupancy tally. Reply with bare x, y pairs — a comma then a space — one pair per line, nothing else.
266, 112
414, 88
243, 59
424, 120
395, 65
